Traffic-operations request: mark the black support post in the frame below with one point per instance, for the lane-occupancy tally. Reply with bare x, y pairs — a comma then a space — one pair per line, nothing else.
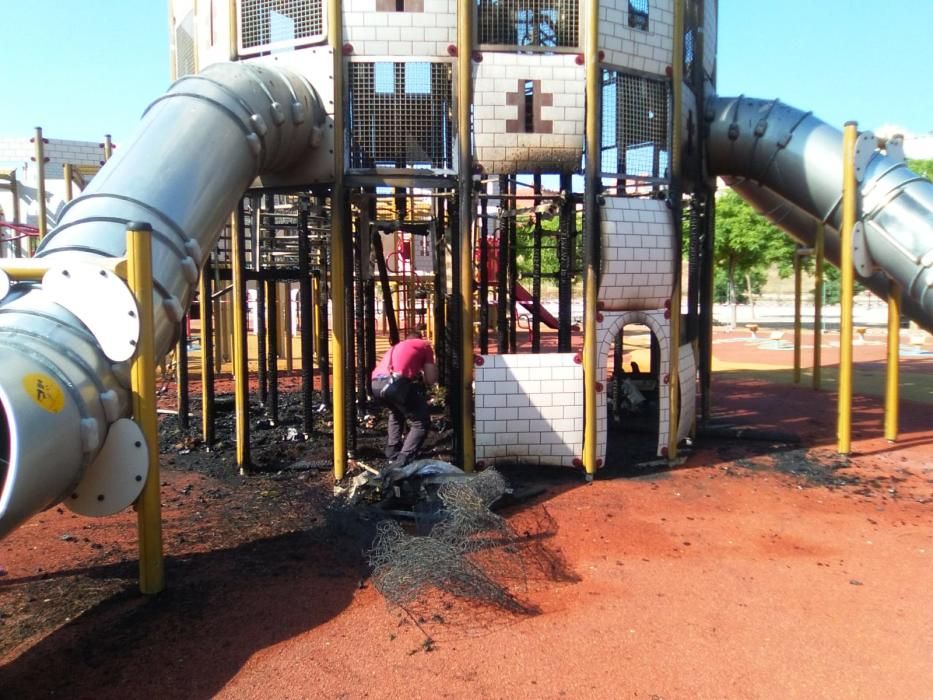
304, 316
565, 259
271, 300
536, 272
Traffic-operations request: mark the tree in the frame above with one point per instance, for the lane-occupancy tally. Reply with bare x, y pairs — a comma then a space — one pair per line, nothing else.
746, 245
921, 167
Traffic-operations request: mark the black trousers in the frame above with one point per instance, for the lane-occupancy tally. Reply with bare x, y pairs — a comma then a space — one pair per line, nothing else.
416, 413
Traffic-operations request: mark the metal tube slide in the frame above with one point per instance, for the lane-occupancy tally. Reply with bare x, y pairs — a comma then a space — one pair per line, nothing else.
195, 152
788, 165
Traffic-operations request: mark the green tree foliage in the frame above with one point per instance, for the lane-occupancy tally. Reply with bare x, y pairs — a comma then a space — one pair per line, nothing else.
550, 228
921, 167
746, 245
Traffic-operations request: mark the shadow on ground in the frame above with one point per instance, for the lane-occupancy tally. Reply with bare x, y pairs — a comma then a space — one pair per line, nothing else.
189, 641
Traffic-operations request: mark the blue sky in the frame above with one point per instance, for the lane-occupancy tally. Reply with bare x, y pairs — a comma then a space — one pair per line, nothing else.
84, 68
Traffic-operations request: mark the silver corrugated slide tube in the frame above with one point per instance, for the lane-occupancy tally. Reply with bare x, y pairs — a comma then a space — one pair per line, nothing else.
64, 370
788, 165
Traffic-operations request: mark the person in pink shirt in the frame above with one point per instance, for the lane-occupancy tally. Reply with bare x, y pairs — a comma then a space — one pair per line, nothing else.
399, 382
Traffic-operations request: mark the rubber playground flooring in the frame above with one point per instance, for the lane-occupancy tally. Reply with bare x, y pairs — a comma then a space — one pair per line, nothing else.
754, 568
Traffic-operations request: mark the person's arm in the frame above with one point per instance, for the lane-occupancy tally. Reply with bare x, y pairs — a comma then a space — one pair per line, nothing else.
429, 372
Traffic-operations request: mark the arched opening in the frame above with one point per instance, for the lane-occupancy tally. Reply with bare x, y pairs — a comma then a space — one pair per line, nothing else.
633, 398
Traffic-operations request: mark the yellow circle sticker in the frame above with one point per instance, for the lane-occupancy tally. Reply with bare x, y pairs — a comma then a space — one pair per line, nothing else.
45, 391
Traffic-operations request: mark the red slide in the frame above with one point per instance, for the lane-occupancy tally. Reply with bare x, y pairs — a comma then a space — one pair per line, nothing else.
525, 299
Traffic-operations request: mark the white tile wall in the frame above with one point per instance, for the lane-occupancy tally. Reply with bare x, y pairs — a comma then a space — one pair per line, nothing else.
529, 408
426, 33
497, 76
638, 254
688, 391
18, 154
625, 47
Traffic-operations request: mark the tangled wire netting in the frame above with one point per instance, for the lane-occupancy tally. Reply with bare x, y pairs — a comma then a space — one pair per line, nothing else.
471, 553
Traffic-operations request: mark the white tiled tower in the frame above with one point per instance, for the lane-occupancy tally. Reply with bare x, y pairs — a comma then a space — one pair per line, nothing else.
528, 115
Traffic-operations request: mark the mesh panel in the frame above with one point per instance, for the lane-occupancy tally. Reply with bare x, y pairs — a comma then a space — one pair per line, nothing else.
400, 115
638, 14
184, 46
635, 125
267, 22
532, 23
689, 52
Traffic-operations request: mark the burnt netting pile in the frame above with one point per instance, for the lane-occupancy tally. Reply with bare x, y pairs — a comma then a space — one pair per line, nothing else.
471, 553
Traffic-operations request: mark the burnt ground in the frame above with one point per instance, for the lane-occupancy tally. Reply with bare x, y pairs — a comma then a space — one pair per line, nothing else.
266, 569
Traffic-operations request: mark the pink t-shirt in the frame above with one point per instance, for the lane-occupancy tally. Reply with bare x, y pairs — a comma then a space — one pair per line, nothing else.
408, 358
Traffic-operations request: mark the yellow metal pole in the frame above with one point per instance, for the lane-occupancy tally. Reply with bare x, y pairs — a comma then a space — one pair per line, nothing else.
849, 214
240, 360
18, 245
677, 80
591, 237
316, 315
234, 39
339, 233
798, 293
818, 310
429, 318
285, 325
173, 47
207, 337
33, 269
108, 147
143, 384
40, 188
465, 9
69, 181
892, 377
24, 269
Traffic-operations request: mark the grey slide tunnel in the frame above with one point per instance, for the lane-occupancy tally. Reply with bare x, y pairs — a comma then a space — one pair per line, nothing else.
195, 152
788, 165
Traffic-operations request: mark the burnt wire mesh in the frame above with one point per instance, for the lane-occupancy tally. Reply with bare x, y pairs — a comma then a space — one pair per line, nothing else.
635, 126
530, 23
184, 46
265, 22
400, 115
471, 556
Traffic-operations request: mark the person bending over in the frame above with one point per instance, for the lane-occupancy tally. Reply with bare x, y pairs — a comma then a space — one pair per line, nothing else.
399, 382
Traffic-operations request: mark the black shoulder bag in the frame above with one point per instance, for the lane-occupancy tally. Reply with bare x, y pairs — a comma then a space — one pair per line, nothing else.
396, 388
